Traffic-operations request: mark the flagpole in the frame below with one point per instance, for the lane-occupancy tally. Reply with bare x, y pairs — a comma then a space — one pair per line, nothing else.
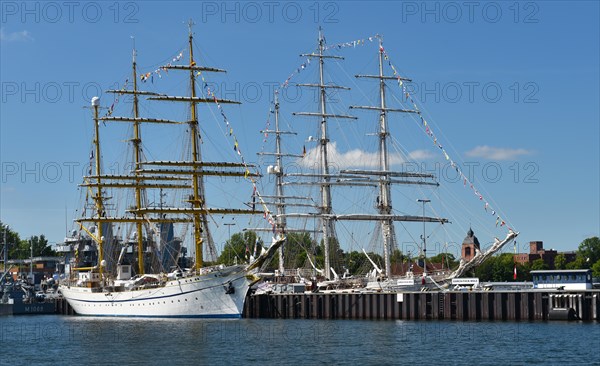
515, 262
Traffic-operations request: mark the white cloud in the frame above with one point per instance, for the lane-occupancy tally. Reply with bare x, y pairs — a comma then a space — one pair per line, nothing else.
496, 153
15, 36
357, 158
420, 155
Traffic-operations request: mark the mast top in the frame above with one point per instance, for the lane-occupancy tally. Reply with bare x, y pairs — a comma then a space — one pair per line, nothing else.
192, 62
134, 53
321, 41
190, 26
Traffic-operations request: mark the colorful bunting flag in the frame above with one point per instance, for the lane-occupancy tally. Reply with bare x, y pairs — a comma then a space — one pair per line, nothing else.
236, 148
353, 44
428, 130
150, 75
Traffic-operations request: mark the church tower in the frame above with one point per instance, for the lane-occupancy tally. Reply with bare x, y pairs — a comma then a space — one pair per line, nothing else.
469, 245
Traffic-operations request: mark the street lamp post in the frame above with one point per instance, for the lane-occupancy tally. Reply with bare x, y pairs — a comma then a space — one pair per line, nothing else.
424, 237
5, 248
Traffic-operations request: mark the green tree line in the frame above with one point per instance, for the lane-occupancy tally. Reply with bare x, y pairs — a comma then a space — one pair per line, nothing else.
299, 246
21, 248
497, 268
501, 267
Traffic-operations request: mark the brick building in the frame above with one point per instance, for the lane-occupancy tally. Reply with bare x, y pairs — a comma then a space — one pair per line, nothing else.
537, 251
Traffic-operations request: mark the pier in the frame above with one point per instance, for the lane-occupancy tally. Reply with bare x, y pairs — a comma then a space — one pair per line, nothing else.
475, 305
452, 305
63, 307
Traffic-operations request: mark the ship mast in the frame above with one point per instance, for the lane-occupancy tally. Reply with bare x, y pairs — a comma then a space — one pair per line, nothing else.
196, 200
384, 200
195, 166
325, 184
98, 198
328, 230
385, 207
137, 151
139, 182
279, 197
280, 200
281, 221
115, 181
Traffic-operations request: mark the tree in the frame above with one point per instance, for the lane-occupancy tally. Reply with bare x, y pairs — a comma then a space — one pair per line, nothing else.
505, 266
560, 261
596, 269
239, 248
578, 263
485, 271
447, 259
397, 257
539, 264
589, 250
41, 247
13, 240
523, 272
376, 258
355, 261
21, 248
295, 249
336, 254
501, 269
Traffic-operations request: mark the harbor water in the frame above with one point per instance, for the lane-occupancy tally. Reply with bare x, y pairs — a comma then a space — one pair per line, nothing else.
74, 340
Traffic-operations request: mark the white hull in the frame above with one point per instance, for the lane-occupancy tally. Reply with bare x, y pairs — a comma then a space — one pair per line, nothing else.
197, 296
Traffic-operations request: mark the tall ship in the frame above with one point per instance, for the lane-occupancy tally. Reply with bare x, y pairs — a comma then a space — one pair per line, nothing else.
144, 271
324, 189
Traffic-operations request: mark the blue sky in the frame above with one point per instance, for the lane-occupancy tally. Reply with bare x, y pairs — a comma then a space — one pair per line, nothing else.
511, 90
